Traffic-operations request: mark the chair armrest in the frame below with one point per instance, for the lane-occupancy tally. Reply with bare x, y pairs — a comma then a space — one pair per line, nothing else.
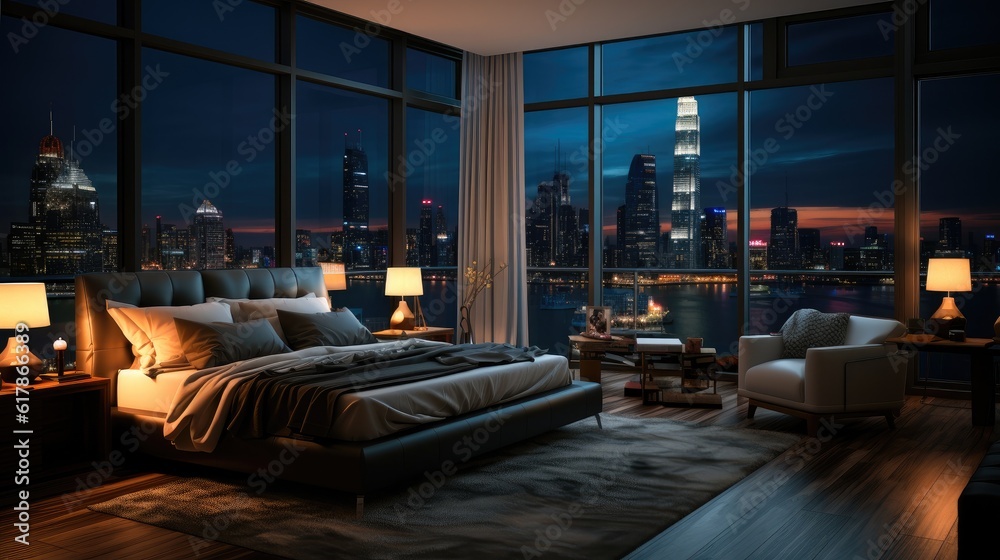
757, 349
868, 373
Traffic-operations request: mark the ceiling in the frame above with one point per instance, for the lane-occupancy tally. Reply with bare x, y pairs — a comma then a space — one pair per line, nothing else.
490, 27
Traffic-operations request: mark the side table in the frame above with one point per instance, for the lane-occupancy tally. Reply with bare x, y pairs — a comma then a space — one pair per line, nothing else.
593, 351
981, 351
69, 425
442, 334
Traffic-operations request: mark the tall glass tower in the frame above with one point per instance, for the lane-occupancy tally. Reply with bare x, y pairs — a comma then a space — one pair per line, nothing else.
685, 209
639, 217
72, 223
209, 237
783, 248
356, 237
425, 235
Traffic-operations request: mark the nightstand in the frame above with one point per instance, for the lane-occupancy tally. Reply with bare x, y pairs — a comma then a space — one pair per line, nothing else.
443, 334
70, 424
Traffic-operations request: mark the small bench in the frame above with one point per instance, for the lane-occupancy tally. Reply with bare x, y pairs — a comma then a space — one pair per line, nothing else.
979, 508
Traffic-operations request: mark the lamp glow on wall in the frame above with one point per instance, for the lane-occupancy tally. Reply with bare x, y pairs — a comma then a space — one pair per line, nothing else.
405, 281
948, 275
23, 307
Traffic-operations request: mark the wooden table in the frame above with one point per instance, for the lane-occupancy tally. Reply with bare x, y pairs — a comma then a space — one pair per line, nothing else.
696, 370
442, 334
593, 351
69, 425
982, 351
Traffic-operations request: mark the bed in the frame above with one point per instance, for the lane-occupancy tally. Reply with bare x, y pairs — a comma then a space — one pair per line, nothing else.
383, 436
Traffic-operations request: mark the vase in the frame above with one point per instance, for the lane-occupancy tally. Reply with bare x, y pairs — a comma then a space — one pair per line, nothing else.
465, 324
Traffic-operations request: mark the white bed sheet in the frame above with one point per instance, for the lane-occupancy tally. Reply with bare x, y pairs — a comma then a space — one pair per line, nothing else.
375, 413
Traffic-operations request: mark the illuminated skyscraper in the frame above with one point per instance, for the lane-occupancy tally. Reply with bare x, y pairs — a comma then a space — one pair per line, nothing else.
208, 236
357, 253
26, 240
949, 236
783, 247
811, 249
685, 245
444, 247
639, 217
72, 223
425, 236
715, 238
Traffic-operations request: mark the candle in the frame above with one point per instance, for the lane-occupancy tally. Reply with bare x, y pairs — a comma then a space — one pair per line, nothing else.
60, 348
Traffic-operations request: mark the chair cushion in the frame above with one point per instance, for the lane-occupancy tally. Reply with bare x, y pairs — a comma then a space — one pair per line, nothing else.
809, 328
784, 379
872, 330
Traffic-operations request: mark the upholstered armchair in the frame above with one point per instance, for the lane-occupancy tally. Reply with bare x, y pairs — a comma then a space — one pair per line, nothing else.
860, 376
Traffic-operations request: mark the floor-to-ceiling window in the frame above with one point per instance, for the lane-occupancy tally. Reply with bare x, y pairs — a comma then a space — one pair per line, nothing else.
821, 234
809, 205
232, 128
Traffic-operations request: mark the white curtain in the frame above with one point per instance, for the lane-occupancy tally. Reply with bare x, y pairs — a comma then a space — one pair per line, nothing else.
491, 194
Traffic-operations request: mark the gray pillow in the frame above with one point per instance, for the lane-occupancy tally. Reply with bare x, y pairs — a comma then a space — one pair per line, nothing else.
335, 328
215, 344
809, 328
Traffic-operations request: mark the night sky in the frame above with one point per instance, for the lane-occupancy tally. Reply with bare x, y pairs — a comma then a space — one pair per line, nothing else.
202, 117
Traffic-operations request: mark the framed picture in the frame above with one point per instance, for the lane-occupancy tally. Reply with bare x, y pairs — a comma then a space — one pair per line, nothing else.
598, 320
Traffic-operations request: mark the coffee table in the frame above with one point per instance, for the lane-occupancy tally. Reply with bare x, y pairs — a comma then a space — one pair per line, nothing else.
665, 357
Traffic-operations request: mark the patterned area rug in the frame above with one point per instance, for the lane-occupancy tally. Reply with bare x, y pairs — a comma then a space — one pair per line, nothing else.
577, 492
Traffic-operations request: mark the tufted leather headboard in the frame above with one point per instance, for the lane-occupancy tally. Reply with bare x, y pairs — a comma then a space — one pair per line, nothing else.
102, 349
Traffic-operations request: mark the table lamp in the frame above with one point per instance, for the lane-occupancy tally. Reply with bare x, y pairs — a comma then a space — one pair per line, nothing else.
405, 281
23, 307
948, 275
334, 276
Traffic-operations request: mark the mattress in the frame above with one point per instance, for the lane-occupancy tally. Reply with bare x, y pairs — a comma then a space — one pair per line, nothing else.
379, 412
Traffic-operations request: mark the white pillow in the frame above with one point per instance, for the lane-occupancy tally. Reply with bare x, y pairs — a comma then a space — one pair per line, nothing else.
153, 335
249, 309
142, 347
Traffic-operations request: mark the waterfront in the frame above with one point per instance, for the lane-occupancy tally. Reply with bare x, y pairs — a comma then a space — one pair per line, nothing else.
706, 310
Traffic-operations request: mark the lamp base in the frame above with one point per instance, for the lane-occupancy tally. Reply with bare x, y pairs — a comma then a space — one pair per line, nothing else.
402, 318
946, 318
10, 362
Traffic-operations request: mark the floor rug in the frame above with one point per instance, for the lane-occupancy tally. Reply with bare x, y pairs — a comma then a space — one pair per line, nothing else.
576, 492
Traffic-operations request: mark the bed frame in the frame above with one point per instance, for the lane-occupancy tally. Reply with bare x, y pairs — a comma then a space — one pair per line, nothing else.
359, 468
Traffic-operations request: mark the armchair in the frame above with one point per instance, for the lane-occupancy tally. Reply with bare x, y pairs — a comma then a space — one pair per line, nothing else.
861, 377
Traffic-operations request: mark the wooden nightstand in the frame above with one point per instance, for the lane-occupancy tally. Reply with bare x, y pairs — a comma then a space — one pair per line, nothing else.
70, 425
443, 334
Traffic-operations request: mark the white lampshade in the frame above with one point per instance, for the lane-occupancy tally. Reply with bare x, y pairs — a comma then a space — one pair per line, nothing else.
23, 302
948, 275
334, 275
403, 281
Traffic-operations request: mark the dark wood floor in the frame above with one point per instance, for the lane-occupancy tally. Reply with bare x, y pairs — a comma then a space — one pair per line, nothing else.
865, 492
